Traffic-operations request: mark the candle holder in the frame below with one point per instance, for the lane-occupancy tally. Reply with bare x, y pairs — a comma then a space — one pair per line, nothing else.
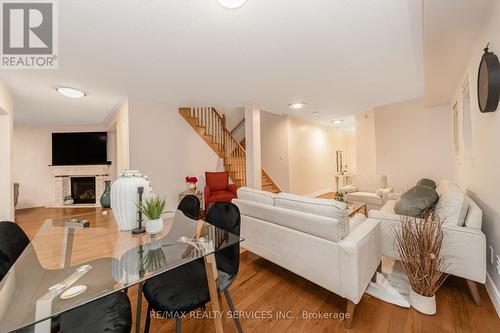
140, 229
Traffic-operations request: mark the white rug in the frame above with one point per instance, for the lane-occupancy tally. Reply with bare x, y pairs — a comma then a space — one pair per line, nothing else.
392, 284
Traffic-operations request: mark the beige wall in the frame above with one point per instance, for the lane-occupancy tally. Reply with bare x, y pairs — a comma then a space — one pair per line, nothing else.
413, 142
32, 155
6, 183
478, 173
164, 147
274, 148
312, 150
365, 142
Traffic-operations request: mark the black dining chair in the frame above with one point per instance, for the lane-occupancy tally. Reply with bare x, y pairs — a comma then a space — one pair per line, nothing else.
108, 314
190, 206
185, 289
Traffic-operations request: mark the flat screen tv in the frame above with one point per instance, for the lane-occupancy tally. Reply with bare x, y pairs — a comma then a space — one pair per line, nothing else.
79, 148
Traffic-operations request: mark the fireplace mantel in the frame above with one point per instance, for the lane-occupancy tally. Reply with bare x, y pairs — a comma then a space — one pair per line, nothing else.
79, 170
62, 179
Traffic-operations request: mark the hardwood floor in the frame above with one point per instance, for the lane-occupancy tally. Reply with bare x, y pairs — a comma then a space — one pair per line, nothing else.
262, 289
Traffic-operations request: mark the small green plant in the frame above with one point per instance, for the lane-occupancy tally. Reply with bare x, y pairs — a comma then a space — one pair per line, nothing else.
68, 197
153, 207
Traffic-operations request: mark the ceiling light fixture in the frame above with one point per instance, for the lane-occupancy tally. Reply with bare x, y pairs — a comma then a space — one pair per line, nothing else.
315, 113
70, 92
337, 122
297, 106
231, 4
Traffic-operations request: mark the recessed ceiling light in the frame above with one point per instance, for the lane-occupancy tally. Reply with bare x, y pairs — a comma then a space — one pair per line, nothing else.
337, 122
70, 92
231, 4
315, 113
297, 106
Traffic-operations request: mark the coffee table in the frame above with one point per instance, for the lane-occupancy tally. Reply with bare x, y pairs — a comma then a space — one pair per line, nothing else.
354, 207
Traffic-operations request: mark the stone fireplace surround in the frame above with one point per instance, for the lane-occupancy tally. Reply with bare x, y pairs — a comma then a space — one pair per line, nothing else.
62, 181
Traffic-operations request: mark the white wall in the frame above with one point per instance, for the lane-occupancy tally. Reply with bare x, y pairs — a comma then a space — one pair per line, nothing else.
413, 142
6, 183
312, 150
118, 127
479, 175
32, 155
365, 142
274, 148
164, 147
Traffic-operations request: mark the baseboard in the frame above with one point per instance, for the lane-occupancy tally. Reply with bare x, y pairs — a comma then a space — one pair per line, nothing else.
493, 293
320, 192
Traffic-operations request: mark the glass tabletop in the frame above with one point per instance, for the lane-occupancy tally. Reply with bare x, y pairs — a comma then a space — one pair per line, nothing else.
353, 207
96, 261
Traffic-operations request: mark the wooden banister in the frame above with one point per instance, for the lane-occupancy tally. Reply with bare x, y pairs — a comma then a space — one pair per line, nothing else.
212, 128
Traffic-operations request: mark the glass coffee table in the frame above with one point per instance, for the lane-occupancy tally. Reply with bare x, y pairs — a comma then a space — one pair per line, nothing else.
354, 207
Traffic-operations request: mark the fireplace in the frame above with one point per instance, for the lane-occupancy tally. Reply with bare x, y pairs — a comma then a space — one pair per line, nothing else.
83, 190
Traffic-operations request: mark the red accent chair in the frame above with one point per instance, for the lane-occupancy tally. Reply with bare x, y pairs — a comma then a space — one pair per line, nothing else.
217, 188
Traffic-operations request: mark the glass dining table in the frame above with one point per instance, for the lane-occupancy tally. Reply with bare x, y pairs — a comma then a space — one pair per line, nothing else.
100, 260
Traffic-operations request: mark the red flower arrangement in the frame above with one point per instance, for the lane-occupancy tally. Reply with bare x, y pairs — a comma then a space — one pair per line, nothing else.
193, 180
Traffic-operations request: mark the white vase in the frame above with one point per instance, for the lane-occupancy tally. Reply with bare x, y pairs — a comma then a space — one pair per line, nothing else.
154, 226
124, 198
424, 304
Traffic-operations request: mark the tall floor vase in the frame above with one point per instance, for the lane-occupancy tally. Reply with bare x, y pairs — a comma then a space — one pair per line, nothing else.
106, 196
124, 198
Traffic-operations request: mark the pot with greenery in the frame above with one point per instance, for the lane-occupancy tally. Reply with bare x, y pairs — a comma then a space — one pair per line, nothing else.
418, 242
153, 208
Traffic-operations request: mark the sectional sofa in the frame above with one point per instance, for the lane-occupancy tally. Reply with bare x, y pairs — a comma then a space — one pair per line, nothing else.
313, 238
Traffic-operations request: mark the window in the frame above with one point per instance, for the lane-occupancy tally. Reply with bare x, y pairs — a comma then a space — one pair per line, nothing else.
456, 141
466, 122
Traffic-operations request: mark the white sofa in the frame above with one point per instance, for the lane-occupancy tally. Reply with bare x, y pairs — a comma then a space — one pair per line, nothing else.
312, 238
371, 189
464, 243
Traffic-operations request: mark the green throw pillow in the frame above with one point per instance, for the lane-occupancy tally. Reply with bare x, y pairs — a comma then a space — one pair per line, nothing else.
416, 201
427, 182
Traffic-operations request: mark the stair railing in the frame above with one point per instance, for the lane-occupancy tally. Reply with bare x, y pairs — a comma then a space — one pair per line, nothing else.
229, 149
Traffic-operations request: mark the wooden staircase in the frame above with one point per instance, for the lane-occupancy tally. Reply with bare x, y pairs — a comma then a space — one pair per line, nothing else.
211, 126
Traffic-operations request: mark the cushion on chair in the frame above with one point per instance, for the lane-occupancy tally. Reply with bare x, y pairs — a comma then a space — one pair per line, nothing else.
263, 197
108, 314
218, 181
369, 183
371, 198
179, 290
427, 182
474, 216
416, 201
221, 196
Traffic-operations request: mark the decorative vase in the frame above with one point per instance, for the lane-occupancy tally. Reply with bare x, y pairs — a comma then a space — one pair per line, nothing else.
106, 196
69, 202
424, 304
192, 187
154, 226
124, 198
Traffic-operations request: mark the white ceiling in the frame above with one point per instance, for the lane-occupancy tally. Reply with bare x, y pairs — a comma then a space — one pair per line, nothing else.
339, 56
451, 27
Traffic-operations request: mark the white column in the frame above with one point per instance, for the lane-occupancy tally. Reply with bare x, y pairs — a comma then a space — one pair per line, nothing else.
252, 143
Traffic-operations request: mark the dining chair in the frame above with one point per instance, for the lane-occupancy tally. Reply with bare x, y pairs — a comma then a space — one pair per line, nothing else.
185, 289
190, 206
108, 314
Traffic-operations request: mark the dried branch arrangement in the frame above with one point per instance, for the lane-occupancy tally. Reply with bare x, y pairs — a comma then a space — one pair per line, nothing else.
418, 242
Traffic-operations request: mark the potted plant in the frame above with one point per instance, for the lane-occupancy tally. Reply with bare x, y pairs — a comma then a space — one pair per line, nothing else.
418, 242
153, 208
191, 183
68, 200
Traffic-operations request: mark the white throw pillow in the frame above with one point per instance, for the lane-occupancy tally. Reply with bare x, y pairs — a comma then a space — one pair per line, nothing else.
249, 194
317, 206
451, 207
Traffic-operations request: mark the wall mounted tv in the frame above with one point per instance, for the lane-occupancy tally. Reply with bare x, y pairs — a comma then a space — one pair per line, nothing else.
79, 148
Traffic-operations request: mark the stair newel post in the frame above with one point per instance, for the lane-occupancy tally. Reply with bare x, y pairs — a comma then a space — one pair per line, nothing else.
224, 121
